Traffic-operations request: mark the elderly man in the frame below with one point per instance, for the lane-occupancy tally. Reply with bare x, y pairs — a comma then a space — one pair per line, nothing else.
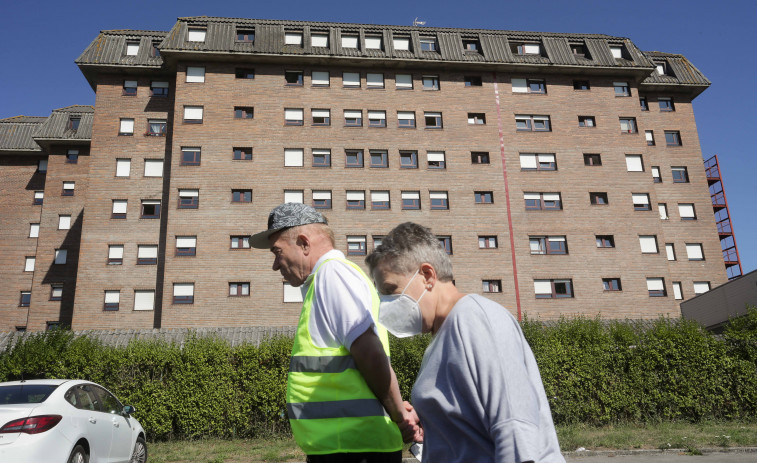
343, 398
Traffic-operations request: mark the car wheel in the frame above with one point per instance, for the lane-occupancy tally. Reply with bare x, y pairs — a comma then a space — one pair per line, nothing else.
140, 451
78, 455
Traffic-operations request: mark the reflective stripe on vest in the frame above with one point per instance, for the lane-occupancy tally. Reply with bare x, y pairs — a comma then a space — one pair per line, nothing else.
336, 409
325, 364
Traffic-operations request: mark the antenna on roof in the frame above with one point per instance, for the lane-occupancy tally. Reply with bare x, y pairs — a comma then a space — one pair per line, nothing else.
418, 23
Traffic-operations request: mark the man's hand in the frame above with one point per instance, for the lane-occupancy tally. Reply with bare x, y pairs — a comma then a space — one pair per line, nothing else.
411, 426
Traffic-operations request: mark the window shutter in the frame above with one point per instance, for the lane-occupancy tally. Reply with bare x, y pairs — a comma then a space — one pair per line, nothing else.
64, 222
321, 195
127, 126
123, 166
411, 195
438, 195
373, 43
617, 52
153, 167
320, 78
403, 80
639, 198
519, 86
402, 43
293, 114
648, 244
655, 284
112, 297
147, 252
132, 49
349, 41
551, 196
531, 48
546, 158
293, 157
528, 161
186, 241
321, 113
319, 40
374, 79
353, 114
376, 115
694, 251
291, 293
542, 286
701, 287
159, 85
633, 163
195, 74
686, 210
677, 291
436, 156
293, 38
144, 300
355, 196
405, 115
130, 83
116, 252
196, 35
119, 206
193, 113
649, 135
69, 185
379, 196
183, 289
531, 196
291, 196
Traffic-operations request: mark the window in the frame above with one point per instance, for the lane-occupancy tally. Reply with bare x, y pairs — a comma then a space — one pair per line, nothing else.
376, 118
663, 209
701, 287
119, 209
293, 116
186, 245
351, 79
291, 293
244, 73
628, 125
661, 68
553, 289
373, 42
126, 126
430, 82
598, 198
439, 200
294, 196
694, 251
673, 138
377, 239
534, 161
605, 241
656, 174
42, 165
26, 299
72, 156
68, 188
472, 81
487, 242
446, 243
242, 154
130, 88
321, 158
56, 292
150, 209
193, 114
471, 45
39, 197
183, 293
144, 299
433, 120
153, 167
641, 202
586, 121
241, 196
406, 119
156, 127
643, 103
483, 197
677, 293
526, 48
380, 200
294, 157
293, 38
189, 199
403, 81
531, 123
155, 52
190, 156
666, 104
408, 159
680, 175
349, 41
611, 284
132, 48
355, 199
477, 118
436, 160
246, 35
379, 158
247, 112
617, 51
656, 287
649, 135
196, 35
670, 251
622, 89
239, 242
158, 89
61, 255
29, 264
648, 244
542, 201
322, 199
479, 157
411, 200
428, 44
581, 85
195, 74
401, 43
33, 230
634, 163
64, 222
239, 289
353, 118
579, 50
529, 86
321, 116
356, 245
491, 286
319, 40
374, 80
548, 244
147, 254
686, 211
112, 300
353, 158
293, 78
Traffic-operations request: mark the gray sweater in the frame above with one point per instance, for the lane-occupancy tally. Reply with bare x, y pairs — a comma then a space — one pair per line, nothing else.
479, 394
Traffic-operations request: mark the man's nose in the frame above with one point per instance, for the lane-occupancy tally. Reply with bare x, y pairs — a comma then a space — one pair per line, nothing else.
275, 266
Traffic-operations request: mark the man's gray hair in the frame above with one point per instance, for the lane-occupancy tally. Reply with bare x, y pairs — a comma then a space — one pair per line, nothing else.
408, 246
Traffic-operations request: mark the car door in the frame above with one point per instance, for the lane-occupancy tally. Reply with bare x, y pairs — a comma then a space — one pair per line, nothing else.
89, 418
121, 428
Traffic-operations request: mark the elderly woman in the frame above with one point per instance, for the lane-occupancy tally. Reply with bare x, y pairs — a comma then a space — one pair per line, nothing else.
478, 394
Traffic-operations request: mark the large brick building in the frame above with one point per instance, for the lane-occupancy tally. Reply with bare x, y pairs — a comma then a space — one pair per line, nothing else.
562, 171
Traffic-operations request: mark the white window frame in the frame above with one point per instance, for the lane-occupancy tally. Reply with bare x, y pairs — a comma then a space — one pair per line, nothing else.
634, 163
701, 287
196, 34
64, 222
33, 230
350, 41
648, 244
319, 40
294, 196
193, 113
293, 38
144, 299
294, 157
126, 125
153, 167
123, 167
374, 42
694, 251
670, 251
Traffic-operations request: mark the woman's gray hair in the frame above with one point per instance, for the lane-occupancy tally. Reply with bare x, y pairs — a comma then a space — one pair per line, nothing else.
408, 246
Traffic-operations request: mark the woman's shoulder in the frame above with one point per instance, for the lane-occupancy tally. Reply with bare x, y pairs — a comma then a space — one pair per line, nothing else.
474, 309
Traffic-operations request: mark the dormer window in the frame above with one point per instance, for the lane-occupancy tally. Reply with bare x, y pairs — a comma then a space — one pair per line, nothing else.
73, 122
471, 45
349, 41
319, 39
132, 48
130, 87
373, 42
195, 34
527, 48
246, 35
428, 44
618, 52
579, 49
402, 43
293, 38
155, 52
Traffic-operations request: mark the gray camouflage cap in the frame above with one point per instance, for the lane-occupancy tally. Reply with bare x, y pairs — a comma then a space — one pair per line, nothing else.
284, 216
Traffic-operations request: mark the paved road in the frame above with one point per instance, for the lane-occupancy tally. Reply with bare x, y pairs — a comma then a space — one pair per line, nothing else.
735, 456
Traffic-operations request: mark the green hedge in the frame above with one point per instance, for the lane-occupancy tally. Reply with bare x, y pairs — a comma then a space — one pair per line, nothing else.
594, 372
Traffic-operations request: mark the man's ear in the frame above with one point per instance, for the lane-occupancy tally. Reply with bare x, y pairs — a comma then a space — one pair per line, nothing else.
429, 274
303, 241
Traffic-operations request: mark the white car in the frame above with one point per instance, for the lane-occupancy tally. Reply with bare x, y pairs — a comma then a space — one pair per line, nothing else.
67, 421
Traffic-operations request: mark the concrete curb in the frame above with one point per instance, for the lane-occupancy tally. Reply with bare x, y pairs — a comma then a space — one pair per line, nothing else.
641, 452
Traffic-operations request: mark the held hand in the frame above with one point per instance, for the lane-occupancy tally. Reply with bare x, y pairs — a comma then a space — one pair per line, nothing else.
412, 417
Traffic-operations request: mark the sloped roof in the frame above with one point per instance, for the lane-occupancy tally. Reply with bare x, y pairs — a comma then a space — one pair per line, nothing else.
57, 125
109, 47
681, 71
16, 133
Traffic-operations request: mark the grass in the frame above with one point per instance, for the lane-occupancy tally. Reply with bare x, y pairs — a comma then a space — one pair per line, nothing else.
687, 436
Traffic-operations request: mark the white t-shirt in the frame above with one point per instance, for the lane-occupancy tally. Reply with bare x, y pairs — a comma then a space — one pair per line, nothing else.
341, 309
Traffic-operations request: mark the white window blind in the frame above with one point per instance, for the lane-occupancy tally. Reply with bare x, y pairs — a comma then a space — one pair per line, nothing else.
376, 114
403, 80
195, 74
112, 297
29, 264
356, 239
293, 196
437, 194
355, 196
115, 251
69, 186
293, 38
677, 294
196, 35
374, 79
144, 299
557, 239
534, 243
411, 195
132, 49
183, 289
655, 284
663, 211
123, 166
436, 156
660, 69
57, 291
147, 251
293, 157
670, 251
126, 126
321, 195
379, 196
528, 161
405, 115
348, 114
34, 230
321, 113
694, 251
401, 43
542, 287
633, 163
39, 195
130, 84
350, 79
546, 158
640, 198
655, 172
119, 206
617, 52
649, 135
60, 256
292, 114
319, 40
153, 167
551, 196
373, 43
317, 152
189, 193
686, 210
193, 113
648, 244
186, 241
701, 287
349, 41
291, 293
519, 86
150, 202
320, 78
531, 48
531, 196
64, 222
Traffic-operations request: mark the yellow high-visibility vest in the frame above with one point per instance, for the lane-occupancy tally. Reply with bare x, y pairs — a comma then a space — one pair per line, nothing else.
331, 408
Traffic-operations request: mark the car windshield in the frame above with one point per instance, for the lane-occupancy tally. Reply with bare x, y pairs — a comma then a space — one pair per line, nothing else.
25, 393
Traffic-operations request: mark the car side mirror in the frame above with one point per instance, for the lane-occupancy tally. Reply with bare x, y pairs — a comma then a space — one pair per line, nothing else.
129, 410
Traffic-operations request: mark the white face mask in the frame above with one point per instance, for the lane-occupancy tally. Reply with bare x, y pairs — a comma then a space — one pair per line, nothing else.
400, 313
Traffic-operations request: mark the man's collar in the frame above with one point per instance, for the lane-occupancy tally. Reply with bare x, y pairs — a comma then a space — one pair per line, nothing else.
332, 254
